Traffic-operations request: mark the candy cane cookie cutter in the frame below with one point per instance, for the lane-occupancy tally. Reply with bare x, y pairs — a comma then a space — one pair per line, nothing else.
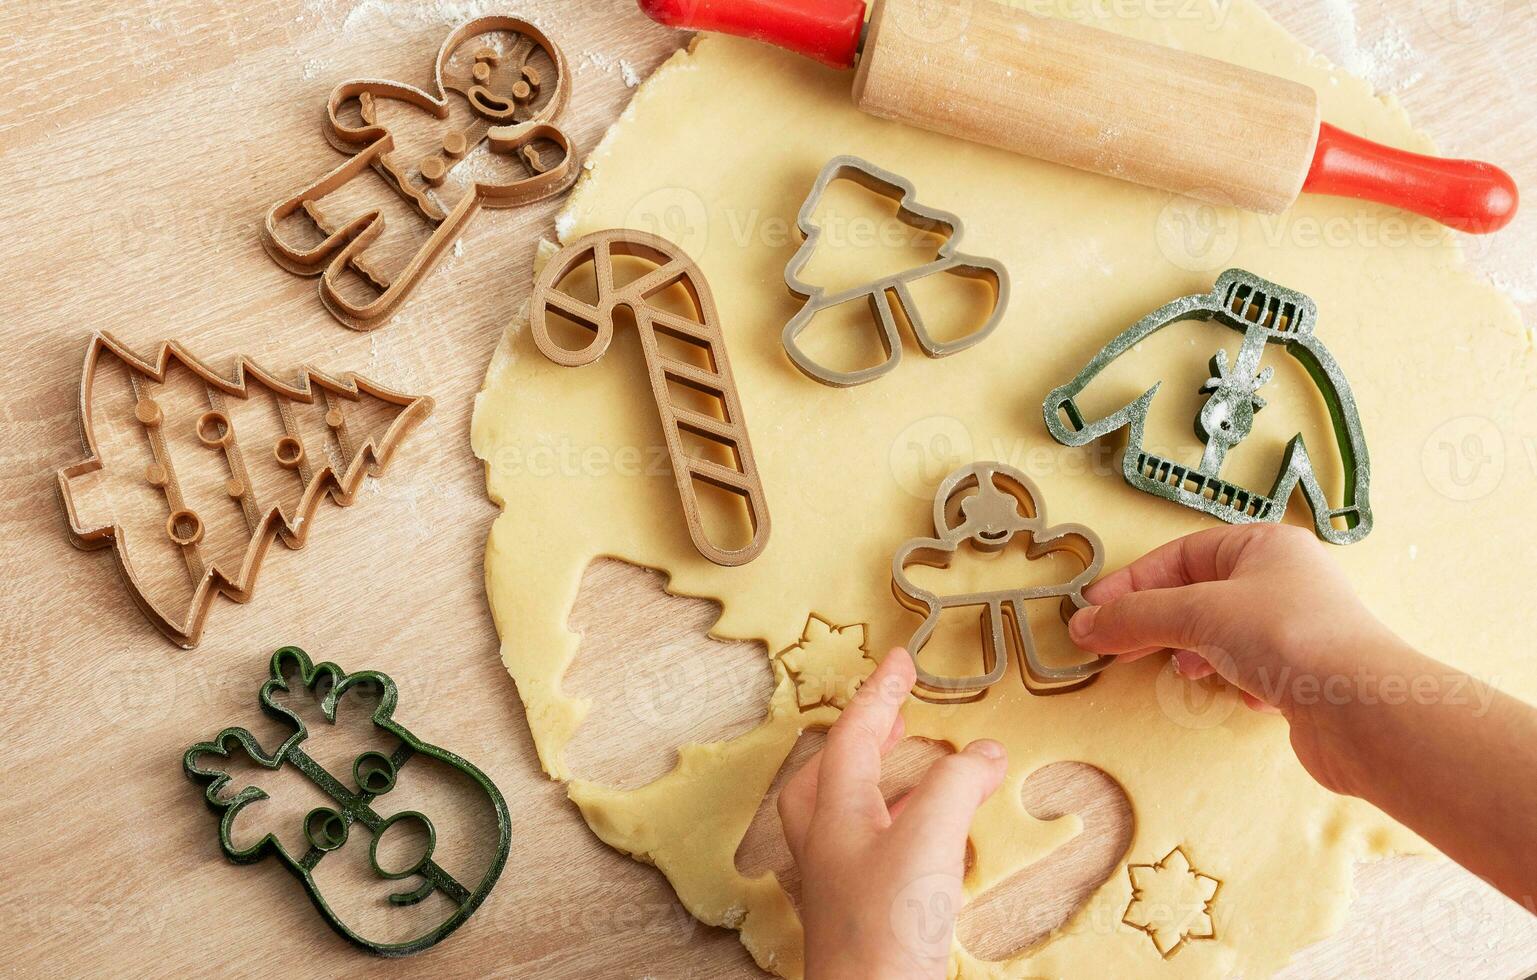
709, 375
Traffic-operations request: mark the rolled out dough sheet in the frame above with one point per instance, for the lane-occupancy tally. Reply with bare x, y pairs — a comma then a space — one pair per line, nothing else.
716, 152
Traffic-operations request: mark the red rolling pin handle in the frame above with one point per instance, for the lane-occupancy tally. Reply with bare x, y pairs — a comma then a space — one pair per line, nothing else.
1464, 194
827, 30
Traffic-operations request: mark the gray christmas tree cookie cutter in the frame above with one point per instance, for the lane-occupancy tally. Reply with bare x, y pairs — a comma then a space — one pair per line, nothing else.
1265, 314
987, 505
880, 293
374, 774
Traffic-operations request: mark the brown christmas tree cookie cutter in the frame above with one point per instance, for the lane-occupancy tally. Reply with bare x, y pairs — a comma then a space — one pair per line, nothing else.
326, 447
709, 375
896, 288
986, 506
511, 105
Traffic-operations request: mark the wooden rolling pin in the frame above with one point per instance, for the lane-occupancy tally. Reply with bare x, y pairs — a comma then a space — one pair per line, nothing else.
1098, 101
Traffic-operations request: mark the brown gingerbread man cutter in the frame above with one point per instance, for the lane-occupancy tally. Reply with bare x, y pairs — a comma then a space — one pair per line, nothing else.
486, 90
986, 506
707, 373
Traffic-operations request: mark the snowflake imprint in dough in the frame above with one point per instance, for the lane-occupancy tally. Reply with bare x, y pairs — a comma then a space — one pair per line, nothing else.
1171, 902
828, 663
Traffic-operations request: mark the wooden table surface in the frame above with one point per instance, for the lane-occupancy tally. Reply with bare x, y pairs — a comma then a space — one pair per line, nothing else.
140, 142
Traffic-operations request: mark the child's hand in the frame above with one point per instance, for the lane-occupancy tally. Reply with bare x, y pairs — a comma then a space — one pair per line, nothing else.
881, 885
1262, 605
1252, 603
1265, 606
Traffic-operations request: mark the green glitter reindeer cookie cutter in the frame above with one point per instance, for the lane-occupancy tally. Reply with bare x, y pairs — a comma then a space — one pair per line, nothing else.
1264, 314
327, 828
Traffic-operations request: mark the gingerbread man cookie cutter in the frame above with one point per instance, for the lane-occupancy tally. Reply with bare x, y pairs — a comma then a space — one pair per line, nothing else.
986, 506
511, 104
1265, 314
708, 375
882, 293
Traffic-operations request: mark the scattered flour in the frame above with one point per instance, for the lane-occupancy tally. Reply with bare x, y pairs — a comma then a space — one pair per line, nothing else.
598, 60
1522, 290
368, 13
564, 223
1388, 60
608, 63
367, 16
543, 252
409, 496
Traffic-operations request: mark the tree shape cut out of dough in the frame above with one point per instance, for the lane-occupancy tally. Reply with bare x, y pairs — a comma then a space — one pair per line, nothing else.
680, 684
320, 436
828, 664
892, 292
986, 506
1171, 901
351, 817
503, 101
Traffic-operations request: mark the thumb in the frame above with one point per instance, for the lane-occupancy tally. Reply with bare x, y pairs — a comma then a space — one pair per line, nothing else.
1183, 618
938, 811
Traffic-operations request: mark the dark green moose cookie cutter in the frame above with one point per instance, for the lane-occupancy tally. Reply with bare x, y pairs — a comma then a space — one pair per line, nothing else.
326, 828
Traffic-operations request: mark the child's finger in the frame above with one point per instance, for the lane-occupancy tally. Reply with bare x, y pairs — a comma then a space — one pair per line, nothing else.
1256, 704
797, 799
1207, 556
938, 811
1177, 617
848, 780
1132, 656
1192, 665
797, 802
